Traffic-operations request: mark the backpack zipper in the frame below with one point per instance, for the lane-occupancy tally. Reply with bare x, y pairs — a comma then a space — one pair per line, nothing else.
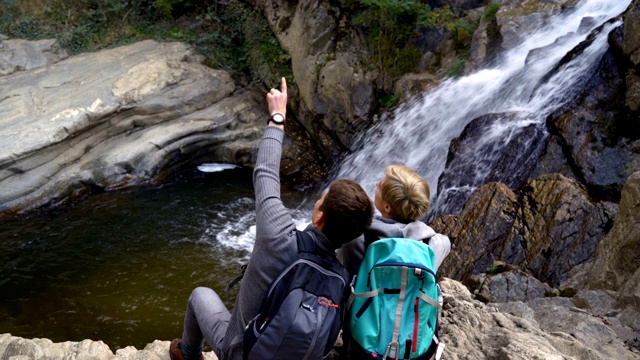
310, 263
315, 334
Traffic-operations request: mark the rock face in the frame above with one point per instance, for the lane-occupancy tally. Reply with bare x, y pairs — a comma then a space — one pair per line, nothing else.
631, 48
116, 118
331, 82
616, 262
598, 143
551, 227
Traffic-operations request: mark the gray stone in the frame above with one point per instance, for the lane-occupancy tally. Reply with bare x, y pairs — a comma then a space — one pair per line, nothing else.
129, 116
473, 330
18, 55
513, 285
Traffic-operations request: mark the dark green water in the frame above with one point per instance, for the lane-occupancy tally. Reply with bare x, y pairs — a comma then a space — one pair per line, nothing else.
119, 266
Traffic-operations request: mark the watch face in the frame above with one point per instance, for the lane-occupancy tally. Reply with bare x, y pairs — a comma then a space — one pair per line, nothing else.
277, 118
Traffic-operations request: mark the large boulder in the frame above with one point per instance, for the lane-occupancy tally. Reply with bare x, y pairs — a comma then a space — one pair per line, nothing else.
558, 226
477, 234
116, 118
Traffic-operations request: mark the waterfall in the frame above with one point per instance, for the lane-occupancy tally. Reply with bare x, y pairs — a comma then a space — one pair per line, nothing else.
522, 84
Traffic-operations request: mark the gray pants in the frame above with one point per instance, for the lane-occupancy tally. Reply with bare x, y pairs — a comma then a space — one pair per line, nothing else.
206, 318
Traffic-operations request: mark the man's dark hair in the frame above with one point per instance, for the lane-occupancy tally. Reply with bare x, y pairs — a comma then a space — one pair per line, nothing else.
347, 211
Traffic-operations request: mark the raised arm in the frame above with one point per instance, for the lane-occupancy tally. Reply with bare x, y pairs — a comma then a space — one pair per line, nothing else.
272, 218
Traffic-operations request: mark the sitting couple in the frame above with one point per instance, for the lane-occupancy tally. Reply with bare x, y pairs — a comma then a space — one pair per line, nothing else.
343, 213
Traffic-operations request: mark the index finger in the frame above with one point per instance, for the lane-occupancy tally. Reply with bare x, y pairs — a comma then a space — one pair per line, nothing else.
283, 87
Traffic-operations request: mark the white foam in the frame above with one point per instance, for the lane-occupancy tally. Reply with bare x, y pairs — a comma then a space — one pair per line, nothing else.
215, 167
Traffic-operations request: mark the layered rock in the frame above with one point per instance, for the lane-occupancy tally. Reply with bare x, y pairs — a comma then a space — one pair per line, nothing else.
549, 228
116, 118
481, 155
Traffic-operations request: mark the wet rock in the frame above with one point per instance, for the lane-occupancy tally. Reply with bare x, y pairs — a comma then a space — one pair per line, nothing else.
412, 85
597, 140
484, 154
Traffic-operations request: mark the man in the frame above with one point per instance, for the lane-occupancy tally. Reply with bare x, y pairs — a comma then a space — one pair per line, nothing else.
402, 198
341, 214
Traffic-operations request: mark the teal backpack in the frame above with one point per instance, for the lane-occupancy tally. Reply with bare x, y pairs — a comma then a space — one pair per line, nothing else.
395, 302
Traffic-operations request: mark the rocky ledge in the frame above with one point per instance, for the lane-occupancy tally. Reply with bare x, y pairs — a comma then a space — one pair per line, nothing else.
537, 328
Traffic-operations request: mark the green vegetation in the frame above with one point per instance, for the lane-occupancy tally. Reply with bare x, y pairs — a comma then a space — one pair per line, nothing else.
490, 13
457, 68
393, 26
388, 101
494, 269
232, 35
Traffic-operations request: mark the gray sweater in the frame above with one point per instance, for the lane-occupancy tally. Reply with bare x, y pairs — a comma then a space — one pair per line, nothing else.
275, 245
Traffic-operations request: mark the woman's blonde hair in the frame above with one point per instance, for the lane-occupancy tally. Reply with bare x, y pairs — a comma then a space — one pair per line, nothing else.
406, 192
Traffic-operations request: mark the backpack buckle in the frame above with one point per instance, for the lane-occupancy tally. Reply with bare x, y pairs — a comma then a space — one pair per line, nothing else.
392, 350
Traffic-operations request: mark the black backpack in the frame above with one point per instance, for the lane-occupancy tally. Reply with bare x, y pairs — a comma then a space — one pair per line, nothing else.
301, 316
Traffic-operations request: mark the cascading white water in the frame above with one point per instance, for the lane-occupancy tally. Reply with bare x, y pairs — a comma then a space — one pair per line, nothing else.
421, 130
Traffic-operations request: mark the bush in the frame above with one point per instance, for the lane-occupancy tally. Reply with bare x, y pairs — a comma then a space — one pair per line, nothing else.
490, 13
392, 27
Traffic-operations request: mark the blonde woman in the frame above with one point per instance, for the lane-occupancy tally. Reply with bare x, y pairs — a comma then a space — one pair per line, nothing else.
402, 198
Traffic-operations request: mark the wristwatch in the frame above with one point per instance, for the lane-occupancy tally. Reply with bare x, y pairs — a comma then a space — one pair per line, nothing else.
277, 119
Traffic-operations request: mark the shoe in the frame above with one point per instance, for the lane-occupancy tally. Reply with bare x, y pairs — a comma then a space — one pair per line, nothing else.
175, 351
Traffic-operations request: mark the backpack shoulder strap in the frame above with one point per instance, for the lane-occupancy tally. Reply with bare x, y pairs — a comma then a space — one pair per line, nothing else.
306, 243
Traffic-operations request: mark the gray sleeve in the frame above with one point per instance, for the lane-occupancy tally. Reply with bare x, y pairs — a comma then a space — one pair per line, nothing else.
272, 218
441, 246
